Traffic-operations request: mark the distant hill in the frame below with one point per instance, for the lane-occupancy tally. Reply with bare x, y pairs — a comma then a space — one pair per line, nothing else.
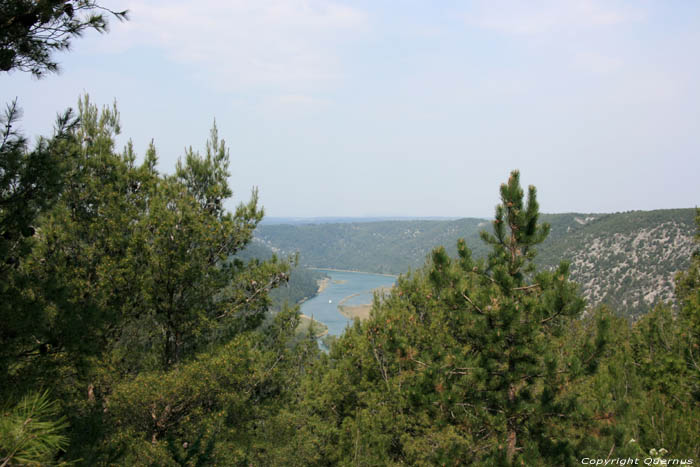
627, 260
344, 220
385, 246
302, 284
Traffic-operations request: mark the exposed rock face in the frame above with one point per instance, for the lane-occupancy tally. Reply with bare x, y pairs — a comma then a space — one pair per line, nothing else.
631, 270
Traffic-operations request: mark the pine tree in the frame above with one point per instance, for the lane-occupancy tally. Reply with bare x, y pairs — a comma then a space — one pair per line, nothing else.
521, 322
688, 295
468, 361
31, 433
516, 358
666, 350
32, 30
30, 182
132, 277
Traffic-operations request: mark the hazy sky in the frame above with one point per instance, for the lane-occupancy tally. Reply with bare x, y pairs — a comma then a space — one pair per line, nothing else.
414, 108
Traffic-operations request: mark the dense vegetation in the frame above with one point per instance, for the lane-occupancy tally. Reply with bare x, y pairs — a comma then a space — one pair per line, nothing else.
615, 257
135, 329
119, 297
385, 247
33, 30
303, 282
490, 362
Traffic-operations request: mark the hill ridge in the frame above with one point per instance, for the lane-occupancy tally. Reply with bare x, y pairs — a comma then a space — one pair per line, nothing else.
627, 259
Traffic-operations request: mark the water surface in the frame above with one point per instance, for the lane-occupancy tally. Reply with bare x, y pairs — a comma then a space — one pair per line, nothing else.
343, 284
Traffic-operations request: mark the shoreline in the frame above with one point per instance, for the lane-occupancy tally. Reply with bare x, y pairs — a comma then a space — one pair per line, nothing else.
360, 312
322, 284
363, 310
350, 270
313, 320
345, 299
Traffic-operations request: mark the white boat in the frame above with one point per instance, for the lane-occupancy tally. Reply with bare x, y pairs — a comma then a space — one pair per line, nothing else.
330, 301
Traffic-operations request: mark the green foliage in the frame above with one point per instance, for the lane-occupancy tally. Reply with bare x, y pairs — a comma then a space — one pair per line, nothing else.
669, 414
32, 30
30, 182
303, 282
32, 432
130, 256
646, 388
688, 294
465, 360
206, 177
145, 307
137, 293
211, 407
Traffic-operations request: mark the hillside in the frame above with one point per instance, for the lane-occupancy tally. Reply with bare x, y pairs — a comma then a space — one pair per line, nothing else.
302, 284
390, 247
626, 260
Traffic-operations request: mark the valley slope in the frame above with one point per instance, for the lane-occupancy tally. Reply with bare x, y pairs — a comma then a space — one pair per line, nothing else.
626, 260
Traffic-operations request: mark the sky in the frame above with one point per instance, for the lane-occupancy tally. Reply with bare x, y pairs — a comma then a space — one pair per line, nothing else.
410, 108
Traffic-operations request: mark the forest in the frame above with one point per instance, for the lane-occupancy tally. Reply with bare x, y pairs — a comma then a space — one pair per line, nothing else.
134, 333
140, 324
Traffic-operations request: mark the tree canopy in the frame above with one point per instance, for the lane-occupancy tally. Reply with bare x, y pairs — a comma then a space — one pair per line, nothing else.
129, 279
494, 362
137, 331
32, 30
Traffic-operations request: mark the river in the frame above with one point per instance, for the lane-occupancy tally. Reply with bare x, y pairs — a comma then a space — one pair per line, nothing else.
324, 306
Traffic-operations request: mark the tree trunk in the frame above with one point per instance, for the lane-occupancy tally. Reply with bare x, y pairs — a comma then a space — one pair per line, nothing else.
512, 437
511, 446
